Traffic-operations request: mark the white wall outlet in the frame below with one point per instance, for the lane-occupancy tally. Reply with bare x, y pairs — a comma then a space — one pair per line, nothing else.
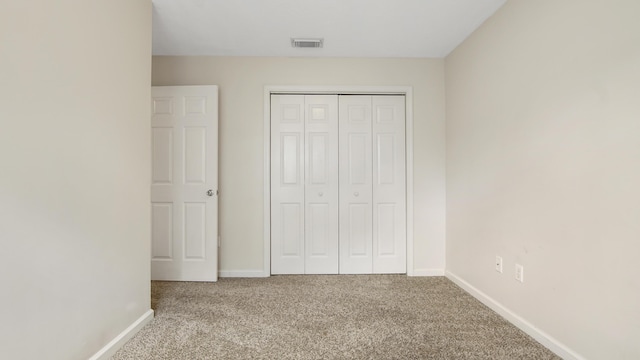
519, 272
499, 264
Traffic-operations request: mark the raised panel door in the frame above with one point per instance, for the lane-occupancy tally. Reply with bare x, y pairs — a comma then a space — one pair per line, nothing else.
321, 185
355, 162
389, 184
184, 167
287, 184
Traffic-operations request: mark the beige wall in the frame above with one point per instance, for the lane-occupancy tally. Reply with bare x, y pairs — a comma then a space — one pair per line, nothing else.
74, 183
543, 168
242, 82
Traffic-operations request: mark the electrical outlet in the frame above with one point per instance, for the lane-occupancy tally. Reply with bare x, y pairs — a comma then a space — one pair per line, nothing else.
499, 264
520, 273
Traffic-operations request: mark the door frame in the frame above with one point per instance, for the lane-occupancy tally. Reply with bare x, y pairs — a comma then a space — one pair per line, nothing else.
407, 91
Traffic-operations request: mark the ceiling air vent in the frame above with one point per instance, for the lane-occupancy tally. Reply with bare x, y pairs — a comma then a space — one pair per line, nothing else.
307, 43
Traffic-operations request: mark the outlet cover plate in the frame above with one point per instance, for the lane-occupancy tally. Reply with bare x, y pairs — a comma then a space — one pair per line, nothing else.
520, 273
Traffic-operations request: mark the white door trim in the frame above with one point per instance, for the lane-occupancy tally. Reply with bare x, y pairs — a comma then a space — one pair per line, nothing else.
407, 91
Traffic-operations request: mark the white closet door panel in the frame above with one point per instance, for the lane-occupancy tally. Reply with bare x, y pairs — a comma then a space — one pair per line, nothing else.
321, 185
318, 223
385, 229
287, 184
356, 243
359, 223
291, 216
319, 156
184, 218
389, 185
359, 159
290, 145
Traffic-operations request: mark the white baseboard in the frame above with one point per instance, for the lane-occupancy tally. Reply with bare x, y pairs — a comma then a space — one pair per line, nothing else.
242, 274
543, 338
112, 347
427, 272
261, 273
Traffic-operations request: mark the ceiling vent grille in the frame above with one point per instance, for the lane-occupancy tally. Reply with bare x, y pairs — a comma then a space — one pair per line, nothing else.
307, 43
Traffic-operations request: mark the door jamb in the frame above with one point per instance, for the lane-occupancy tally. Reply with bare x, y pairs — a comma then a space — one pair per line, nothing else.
407, 91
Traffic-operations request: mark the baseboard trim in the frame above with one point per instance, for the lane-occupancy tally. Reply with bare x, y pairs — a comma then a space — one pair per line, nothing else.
427, 272
112, 347
261, 273
242, 274
543, 338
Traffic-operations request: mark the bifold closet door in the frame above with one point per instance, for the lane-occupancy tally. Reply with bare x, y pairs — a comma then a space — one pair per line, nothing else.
372, 185
389, 185
321, 184
356, 189
304, 184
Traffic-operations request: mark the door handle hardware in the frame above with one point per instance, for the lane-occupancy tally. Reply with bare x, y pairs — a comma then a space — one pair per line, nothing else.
210, 192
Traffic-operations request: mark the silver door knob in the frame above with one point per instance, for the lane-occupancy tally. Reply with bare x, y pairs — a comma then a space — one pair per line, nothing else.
210, 192
356, 194
320, 194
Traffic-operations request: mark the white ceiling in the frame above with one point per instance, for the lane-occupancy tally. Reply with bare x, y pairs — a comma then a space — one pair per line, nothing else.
350, 28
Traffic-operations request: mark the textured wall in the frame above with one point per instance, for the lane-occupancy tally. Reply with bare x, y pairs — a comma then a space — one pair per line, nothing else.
543, 167
74, 183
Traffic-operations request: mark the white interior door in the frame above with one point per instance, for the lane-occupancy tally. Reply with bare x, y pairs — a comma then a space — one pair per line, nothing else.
184, 183
356, 191
287, 184
321, 184
372, 185
338, 184
304, 184
389, 185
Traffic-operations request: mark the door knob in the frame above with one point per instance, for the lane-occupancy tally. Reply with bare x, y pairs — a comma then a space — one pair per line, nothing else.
210, 192
320, 194
356, 194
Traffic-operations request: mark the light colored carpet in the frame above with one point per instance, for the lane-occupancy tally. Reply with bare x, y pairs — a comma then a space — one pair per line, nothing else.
325, 317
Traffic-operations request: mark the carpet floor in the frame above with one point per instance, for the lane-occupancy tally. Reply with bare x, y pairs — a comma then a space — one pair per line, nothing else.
325, 317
